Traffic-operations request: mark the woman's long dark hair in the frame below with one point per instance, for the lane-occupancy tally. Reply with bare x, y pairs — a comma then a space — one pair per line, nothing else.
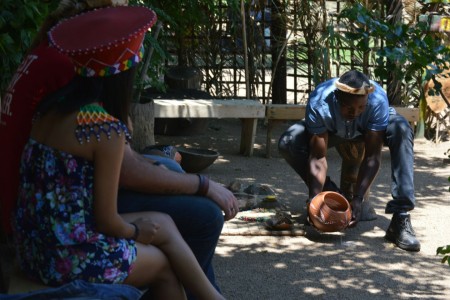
115, 92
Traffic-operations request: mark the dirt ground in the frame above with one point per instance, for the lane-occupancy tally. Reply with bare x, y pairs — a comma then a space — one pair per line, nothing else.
354, 264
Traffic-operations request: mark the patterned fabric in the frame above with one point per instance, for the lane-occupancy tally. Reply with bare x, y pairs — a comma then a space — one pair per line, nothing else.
93, 120
54, 226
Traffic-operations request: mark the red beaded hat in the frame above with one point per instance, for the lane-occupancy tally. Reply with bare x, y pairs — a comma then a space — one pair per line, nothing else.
104, 41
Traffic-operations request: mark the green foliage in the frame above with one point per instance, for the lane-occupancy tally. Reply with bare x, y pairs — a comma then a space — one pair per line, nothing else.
19, 23
407, 55
445, 250
414, 54
183, 21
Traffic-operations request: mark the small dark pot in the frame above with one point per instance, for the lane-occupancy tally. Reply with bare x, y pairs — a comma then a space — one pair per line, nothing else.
194, 160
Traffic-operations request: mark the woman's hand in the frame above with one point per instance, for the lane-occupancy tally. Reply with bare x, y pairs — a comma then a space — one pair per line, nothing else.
147, 230
224, 198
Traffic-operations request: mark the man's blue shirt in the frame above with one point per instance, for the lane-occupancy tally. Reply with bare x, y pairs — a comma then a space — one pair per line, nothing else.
323, 112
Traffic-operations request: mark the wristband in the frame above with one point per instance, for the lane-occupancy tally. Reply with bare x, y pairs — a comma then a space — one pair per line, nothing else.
136, 231
157, 163
203, 185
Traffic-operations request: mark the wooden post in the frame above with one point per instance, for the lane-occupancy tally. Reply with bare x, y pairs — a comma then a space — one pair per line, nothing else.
277, 42
143, 118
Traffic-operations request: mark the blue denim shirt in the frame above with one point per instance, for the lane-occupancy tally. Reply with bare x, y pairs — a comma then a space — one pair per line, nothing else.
323, 112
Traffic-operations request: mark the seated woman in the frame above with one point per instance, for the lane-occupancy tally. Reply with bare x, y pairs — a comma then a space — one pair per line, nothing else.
66, 224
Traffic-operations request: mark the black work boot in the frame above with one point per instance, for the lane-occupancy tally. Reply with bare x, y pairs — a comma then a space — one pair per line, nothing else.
401, 233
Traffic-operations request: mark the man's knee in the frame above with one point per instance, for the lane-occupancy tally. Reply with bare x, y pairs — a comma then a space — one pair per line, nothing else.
206, 219
399, 127
284, 143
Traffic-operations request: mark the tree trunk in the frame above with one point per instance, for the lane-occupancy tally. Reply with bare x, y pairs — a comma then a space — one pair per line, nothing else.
143, 118
420, 129
278, 39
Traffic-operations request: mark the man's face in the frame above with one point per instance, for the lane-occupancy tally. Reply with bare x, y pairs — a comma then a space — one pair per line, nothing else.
351, 106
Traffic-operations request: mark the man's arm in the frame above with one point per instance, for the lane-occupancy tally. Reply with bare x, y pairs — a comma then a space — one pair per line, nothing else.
139, 174
317, 163
373, 142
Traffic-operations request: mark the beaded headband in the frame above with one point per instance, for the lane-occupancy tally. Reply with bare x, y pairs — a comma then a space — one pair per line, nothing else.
104, 41
354, 82
364, 89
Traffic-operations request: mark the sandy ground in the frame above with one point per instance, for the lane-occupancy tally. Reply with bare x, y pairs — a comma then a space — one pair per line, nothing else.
355, 264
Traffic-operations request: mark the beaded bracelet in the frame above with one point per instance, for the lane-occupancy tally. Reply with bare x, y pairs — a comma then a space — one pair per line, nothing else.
254, 219
203, 185
136, 231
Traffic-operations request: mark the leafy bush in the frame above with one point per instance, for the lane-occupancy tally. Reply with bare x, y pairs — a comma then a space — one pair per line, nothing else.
19, 23
445, 250
412, 54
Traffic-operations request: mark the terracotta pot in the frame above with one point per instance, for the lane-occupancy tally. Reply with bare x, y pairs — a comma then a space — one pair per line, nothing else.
329, 212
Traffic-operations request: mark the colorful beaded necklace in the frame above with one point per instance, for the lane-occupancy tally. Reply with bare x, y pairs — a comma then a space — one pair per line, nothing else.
93, 119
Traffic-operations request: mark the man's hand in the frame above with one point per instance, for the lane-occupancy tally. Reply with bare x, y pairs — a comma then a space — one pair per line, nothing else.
356, 210
224, 198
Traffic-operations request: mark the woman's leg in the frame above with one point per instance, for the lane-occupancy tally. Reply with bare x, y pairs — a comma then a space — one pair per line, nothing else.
152, 269
199, 220
180, 256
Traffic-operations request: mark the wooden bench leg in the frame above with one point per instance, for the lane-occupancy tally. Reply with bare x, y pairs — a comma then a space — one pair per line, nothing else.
248, 133
270, 125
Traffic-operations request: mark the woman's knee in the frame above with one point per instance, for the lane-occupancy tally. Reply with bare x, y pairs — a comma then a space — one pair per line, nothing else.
165, 222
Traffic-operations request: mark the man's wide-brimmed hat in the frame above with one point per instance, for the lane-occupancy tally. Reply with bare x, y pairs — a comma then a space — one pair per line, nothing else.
354, 82
105, 41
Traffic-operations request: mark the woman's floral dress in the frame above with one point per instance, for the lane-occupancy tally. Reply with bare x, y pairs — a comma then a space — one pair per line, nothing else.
54, 223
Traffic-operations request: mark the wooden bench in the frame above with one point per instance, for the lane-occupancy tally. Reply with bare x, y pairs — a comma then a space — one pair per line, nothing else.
19, 283
249, 111
276, 113
283, 112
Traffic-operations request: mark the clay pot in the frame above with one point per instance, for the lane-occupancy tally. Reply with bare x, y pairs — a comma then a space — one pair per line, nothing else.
194, 160
329, 212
